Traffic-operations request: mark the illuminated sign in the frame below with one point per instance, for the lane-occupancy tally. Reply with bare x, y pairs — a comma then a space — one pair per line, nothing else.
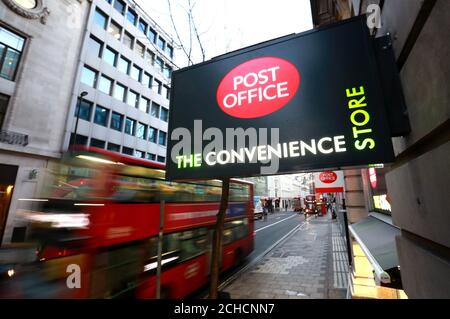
329, 182
373, 177
309, 101
328, 177
258, 87
381, 202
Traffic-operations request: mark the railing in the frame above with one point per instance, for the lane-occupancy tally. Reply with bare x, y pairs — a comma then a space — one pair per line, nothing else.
13, 138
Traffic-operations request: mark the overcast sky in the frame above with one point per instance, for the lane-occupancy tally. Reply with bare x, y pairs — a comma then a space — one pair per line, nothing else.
227, 25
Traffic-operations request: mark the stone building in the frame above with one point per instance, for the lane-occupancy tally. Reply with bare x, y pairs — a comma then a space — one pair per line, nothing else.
416, 185
40, 42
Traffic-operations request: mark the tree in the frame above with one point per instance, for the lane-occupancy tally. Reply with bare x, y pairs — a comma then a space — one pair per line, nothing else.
187, 49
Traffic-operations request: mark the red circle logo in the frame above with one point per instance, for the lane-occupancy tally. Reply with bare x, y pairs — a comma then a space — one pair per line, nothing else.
328, 177
258, 87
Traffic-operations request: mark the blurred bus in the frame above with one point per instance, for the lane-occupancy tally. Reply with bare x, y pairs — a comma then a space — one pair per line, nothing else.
101, 211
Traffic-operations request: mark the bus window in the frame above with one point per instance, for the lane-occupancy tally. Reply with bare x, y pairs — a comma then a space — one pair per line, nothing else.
239, 192
135, 189
193, 243
116, 271
235, 230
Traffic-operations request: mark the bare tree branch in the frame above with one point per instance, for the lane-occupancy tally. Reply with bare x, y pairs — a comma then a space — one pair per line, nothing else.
196, 31
189, 14
177, 34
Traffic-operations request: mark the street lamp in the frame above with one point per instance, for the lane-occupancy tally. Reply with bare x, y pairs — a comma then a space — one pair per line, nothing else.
80, 98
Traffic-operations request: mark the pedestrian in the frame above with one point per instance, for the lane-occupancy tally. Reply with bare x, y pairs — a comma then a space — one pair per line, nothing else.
265, 209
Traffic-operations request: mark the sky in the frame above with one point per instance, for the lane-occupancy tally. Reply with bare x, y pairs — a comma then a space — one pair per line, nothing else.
227, 25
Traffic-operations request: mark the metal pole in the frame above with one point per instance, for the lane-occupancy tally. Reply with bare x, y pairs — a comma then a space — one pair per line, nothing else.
74, 139
160, 243
347, 237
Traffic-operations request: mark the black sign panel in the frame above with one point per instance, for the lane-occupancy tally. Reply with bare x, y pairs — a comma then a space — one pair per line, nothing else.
312, 100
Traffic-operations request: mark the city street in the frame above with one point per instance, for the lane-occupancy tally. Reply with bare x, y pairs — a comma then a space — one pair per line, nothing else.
308, 262
268, 234
139, 141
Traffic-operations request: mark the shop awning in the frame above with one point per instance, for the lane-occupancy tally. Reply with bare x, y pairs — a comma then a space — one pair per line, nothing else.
376, 236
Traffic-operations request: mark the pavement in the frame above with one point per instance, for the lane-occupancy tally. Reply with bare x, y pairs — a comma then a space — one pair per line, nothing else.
311, 263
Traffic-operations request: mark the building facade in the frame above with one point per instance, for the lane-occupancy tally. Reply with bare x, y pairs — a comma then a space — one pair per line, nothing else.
414, 188
259, 185
40, 42
91, 72
125, 68
288, 187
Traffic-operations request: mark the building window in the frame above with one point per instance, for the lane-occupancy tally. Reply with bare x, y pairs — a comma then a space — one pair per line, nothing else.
128, 40
100, 18
95, 46
140, 49
105, 85
136, 73
132, 99
167, 71
157, 86
164, 90
161, 159
11, 46
97, 143
144, 104
79, 140
110, 56
164, 114
141, 131
116, 121
150, 57
151, 35
155, 110
169, 51
123, 65
139, 154
113, 147
115, 30
119, 5
168, 94
127, 151
146, 79
130, 126
101, 115
143, 26
151, 157
132, 16
160, 64
119, 92
85, 110
27, 4
152, 134
89, 76
161, 44
4, 100
162, 138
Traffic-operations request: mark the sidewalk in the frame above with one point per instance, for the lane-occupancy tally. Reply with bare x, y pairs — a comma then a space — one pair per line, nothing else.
310, 264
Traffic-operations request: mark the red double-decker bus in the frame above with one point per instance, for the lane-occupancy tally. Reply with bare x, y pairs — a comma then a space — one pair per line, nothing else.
101, 211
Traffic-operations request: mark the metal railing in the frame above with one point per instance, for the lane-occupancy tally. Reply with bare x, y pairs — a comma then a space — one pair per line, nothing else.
8, 137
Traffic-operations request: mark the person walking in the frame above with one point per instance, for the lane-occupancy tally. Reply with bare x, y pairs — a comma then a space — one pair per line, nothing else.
265, 210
